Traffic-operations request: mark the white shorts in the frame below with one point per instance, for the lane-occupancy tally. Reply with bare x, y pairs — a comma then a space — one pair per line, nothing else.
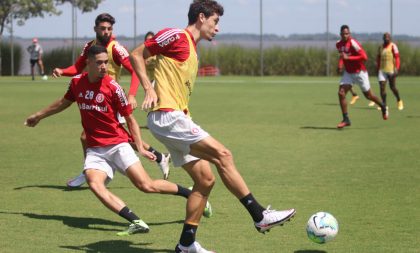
361, 79
384, 76
177, 132
110, 158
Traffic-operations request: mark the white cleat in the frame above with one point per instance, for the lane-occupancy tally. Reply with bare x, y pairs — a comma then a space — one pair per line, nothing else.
193, 248
273, 218
77, 181
164, 165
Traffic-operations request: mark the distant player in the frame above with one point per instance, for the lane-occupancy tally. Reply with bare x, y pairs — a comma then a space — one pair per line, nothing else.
35, 51
191, 147
353, 57
118, 58
388, 66
99, 98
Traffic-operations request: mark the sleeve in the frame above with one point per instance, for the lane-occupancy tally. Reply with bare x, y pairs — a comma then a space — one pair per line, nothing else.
378, 59
79, 65
69, 94
361, 56
340, 60
120, 99
171, 43
396, 54
121, 57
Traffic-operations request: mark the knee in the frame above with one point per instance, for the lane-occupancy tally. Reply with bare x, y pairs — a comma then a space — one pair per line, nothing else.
96, 187
207, 180
146, 187
341, 93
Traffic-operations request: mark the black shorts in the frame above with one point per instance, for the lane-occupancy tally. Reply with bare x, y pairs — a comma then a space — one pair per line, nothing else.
33, 62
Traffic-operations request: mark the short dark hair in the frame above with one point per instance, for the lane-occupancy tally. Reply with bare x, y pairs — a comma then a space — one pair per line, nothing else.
149, 33
344, 27
96, 49
104, 17
207, 7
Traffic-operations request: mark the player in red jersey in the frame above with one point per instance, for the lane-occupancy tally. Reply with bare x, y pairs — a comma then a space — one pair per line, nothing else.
353, 57
388, 65
100, 98
190, 146
118, 59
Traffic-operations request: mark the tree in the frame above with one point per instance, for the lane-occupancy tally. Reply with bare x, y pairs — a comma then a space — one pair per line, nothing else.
22, 10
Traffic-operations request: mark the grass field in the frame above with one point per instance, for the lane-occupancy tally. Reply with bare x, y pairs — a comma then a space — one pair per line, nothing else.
282, 133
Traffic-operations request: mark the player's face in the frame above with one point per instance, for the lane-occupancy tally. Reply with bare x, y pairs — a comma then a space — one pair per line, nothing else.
345, 34
98, 65
103, 32
387, 38
210, 26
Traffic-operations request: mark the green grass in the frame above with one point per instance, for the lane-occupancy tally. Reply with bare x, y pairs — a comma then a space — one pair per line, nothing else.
282, 133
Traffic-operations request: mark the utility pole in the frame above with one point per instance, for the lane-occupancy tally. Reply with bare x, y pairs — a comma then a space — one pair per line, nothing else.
12, 51
135, 23
327, 49
261, 41
391, 17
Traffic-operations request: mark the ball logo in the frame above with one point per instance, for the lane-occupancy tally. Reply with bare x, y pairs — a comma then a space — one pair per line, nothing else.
100, 98
195, 130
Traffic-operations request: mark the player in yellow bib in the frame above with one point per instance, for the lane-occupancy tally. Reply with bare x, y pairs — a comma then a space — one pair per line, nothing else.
388, 66
190, 146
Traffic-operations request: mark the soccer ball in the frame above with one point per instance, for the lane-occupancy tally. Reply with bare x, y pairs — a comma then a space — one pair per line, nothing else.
45, 77
322, 227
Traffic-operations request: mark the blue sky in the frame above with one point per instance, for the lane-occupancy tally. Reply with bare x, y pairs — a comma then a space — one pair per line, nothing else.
281, 17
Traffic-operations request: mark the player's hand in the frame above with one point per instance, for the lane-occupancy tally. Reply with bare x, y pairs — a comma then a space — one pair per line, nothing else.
147, 154
396, 72
57, 72
344, 56
132, 101
150, 99
32, 121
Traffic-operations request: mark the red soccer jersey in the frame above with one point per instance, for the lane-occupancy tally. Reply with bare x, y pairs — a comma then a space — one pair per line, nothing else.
357, 56
120, 56
170, 42
99, 104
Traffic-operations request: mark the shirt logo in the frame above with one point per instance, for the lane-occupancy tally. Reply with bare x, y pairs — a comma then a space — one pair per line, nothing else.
195, 130
80, 95
99, 98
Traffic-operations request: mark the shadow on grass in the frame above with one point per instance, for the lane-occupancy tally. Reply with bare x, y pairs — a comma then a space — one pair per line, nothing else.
62, 187
115, 246
57, 187
86, 223
320, 128
413, 116
328, 104
310, 251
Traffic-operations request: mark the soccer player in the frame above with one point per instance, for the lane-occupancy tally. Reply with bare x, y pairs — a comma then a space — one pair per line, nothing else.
388, 65
190, 146
353, 57
35, 51
118, 59
99, 98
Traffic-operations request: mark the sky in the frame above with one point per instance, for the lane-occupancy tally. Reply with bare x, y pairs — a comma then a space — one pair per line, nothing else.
281, 17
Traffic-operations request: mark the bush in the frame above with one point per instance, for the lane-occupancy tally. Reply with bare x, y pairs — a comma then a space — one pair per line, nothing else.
58, 58
236, 60
6, 59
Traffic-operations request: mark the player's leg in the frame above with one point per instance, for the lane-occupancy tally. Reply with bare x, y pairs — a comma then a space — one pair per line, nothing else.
96, 180
362, 79
354, 96
342, 92
384, 109
80, 179
162, 160
203, 178
213, 151
41, 67
32, 62
382, 85
392, 85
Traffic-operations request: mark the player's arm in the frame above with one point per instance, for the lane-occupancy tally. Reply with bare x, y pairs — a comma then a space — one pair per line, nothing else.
121, 56
72, 70
138, 62
134, 129
378, 60
56, 107
396, 55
